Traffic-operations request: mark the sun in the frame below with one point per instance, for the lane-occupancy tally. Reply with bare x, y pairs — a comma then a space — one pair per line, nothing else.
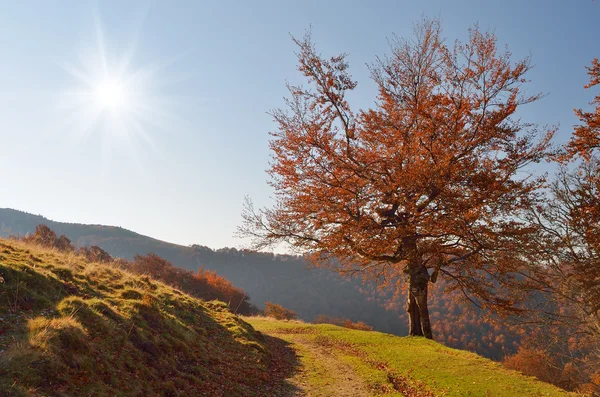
111, 94
117, 101
113, 99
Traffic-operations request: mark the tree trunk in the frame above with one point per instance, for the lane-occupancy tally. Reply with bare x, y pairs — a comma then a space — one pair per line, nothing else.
418, 312
414, 317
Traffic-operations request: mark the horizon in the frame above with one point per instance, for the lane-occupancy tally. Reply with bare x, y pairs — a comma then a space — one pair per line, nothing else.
153, 116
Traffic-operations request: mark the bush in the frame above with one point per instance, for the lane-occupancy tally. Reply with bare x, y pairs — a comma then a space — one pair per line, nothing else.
95, 254
279, 312
46, 237
340, 322
204, 284
62, 243
541, 364
358, 325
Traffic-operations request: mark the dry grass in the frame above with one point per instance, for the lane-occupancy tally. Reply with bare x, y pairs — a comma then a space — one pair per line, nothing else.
69, 327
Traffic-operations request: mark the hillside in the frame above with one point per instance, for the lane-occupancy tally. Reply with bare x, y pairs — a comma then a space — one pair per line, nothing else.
68, 327
76, 328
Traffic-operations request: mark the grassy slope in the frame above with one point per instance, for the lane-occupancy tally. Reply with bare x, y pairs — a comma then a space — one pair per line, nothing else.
417, 366
68, 327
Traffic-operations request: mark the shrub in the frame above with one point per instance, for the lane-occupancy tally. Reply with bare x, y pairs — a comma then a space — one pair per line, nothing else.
204, 284
46, 237
95, 254
279, 312
227, 292
340, 322
534, 362
358, 325
62, 243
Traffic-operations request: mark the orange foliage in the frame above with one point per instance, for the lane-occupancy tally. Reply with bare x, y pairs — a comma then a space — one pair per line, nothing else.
278, 312
544, 363
340, 322
423, 185
46, 237
203, 284
534, 362
586, 137
227, 292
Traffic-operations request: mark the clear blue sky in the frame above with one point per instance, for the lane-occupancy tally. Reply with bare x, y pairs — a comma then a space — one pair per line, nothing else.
192, 139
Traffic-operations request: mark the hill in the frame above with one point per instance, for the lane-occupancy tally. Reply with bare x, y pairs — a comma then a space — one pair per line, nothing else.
75, 328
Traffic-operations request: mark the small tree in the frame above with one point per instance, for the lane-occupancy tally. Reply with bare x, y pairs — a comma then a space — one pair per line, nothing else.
63, 243
429, 182
95, 254
43, 236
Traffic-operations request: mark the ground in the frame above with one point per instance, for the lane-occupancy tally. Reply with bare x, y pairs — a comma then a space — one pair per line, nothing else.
327, 360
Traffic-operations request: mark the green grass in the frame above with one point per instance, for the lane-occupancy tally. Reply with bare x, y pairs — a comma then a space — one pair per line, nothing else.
389, 363
70, 328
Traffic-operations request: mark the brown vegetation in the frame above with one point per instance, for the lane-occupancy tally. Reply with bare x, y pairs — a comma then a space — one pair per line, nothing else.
279, 312
341, 322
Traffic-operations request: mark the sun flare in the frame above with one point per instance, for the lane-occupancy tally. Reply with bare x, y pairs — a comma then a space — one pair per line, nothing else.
115, 98
111, 94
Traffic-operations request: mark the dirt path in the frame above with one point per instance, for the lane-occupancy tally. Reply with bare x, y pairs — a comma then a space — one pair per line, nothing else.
322, 373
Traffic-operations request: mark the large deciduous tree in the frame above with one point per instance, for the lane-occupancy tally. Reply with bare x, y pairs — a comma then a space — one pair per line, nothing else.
430, 181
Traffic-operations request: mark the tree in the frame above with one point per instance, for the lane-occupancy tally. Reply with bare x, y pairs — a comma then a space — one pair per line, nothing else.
429, 182
566, 248
43, 236
586, 137
63, 243
568, 245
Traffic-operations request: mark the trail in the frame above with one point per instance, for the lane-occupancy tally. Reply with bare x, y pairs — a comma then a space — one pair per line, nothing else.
322, 373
